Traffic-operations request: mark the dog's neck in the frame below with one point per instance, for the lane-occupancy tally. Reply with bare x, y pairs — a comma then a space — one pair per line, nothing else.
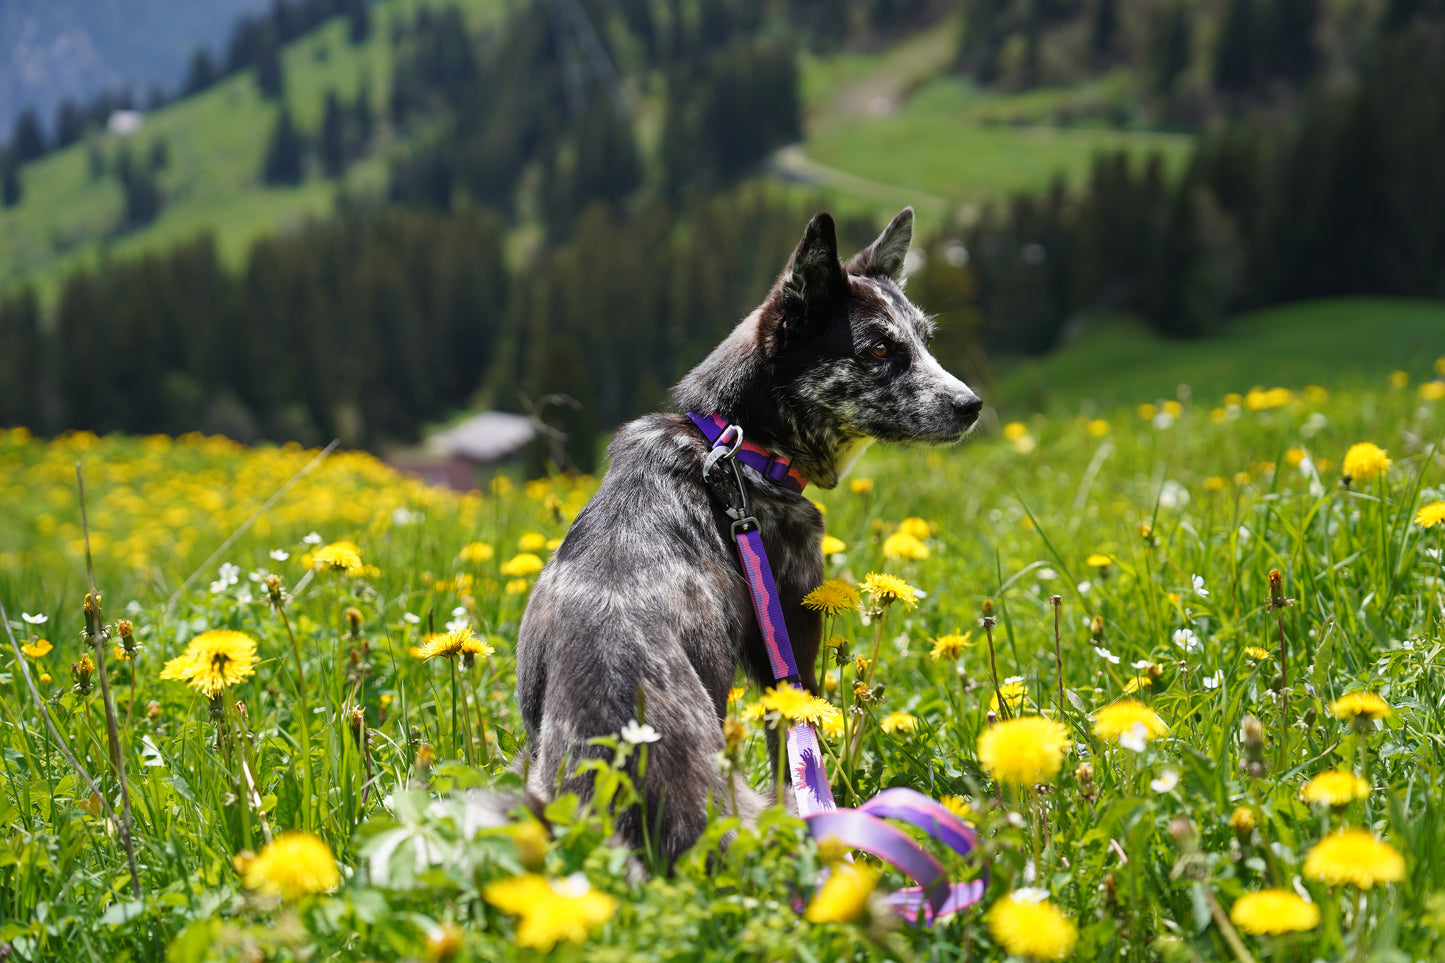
735, 382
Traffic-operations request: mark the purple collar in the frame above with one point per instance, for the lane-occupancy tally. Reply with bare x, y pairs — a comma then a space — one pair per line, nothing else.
773, 467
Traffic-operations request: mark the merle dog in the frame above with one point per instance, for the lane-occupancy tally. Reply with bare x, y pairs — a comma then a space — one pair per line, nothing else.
646, 593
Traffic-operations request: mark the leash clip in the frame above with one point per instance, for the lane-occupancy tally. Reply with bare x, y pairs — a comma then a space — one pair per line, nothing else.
723, 447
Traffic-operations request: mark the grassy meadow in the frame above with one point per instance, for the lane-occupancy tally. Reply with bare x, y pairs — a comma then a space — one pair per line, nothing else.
1137, 543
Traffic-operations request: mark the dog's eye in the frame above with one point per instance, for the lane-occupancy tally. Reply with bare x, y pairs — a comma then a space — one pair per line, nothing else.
879, 349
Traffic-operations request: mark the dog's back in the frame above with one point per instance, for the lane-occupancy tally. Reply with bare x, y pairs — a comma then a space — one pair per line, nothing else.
646, 596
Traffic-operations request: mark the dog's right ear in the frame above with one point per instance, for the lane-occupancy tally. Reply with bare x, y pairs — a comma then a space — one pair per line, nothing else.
814, 276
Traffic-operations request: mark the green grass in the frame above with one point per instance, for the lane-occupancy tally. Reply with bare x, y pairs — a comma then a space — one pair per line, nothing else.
1350, 342
1146, 849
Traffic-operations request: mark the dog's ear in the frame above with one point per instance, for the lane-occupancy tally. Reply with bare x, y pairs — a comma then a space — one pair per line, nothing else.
814, 277
884, 257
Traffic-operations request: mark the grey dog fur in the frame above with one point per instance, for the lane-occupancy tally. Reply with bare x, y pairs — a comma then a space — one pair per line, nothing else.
646, 591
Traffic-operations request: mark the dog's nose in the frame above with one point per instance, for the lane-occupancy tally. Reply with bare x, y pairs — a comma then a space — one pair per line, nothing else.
968, 405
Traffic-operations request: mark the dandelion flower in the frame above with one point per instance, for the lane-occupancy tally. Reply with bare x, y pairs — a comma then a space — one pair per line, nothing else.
294, 865
342, 557
1013, 692
532, 542
476, 552
950, 646
551, 910
885, 589
1023, 751
1015, 430
1097, 561
1359, 706
833, 546
959, 806
1354, 856
458, 642
213, 661
521, 565
900, 721
1256, 653
38, 649
795, 705
916, 527
1365, 462
1431, 515
1338, 787
1271, 912
861, 486
1026, 924
901, 545
833, 596
1242, 820
843, 897
1119, 719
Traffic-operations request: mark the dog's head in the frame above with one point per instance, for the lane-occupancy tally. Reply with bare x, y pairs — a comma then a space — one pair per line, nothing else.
850, 351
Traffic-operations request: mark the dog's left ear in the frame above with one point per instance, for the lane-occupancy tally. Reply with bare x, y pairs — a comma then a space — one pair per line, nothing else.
884, 257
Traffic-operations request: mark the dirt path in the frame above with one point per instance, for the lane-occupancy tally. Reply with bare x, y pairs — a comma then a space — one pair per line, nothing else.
791, 164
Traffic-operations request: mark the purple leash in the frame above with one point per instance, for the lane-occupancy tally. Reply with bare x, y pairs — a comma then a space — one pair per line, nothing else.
862, 828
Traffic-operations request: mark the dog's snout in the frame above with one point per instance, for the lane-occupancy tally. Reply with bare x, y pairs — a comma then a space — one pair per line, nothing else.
968, 405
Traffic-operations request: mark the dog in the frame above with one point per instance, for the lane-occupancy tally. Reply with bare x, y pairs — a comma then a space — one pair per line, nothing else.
646, 593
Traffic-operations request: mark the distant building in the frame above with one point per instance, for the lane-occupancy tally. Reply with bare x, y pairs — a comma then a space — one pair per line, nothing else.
123, 123
454, 456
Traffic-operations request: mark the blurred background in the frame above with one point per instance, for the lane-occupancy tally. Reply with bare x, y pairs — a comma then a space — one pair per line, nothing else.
507, 226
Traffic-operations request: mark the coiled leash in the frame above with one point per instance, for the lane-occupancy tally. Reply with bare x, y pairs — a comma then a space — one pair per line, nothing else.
862, 828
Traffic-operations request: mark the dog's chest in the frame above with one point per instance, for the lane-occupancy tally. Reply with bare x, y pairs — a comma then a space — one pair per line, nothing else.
792, 530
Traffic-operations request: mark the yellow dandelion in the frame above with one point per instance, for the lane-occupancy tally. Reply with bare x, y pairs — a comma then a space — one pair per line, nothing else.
1013, 691
1141, 680
795, 705
1271, 912
213, 661
521, 565
843, 897
1242, 820
38, 649
551, 910
1256, 653
1120, 718
532, 542
121, 655
950, 646
1098, 428
516, 586
885, 589
1146, 412
461, 641
901, 545
959, 806
735, 693
1398, 380
861, 486
294, 865
477, 552
1015, 430
1356, 857
1026, 924
1337, 787
833, 596
1359, 706
1365, 462
915, 526
45, 678
1214, 483
896, 722
1432, 390
833, 546
342, 557
1097, 561
1430, 515
1023, 751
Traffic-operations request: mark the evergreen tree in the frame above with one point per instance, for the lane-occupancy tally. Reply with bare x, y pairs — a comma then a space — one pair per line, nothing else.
332, 146
1103, 28
20, 359
270, 79
28, 141
142, 197
283, 163
201, 73
11, 190
1235, 51
1170, 48
160, 155
69, 124
985, 28
1289, 38
363, 119
358, 17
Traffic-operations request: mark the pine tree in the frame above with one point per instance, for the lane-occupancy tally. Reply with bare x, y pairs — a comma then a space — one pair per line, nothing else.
11, 189
283, 163
1170, 47
358, 17
1236, 50
69, 124
201, 73
28, 141
1289, 37
332, 147
270, 79
1103, 28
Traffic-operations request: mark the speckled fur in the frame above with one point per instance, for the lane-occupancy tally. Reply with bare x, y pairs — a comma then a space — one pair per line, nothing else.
646, 591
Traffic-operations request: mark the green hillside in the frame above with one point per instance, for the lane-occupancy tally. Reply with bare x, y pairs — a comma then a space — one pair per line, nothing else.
1343, 342
964, 144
